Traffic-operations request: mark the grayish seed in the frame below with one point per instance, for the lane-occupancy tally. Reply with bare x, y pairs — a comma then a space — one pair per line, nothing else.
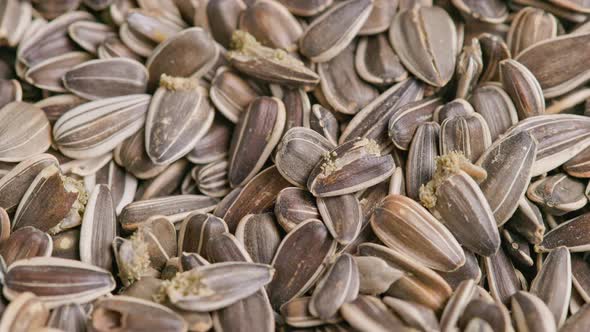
403, 124
68, 317
461, 297
376, 62
342, 215
380, 18
55, 106
48, 74
493, 315
530, 26
496, 107
90, 35
414, 315
369, 313
501, 276
375, 275
523, 87
294, 206
113, 47
469, 68
231, 94
212, 179
166, 183
196, 230
296, 313
325, 123
131, 155
581, 276
420, 165
260, 236
99, 228
223, 18
492, 11
306, 8
558, 194
531, 314
214, 145
469, 270
25, 132
468, 134
493, 50
14, 20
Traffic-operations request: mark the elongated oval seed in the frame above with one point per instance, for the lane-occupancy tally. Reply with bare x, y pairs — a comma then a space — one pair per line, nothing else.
260, 236
530, 26
330, 33
299, 261
68, 317
405, 226
501, 276
25, 131
376, 61
530, 313
26, 242
26, 312
562, 235
97, 79
432, 58
523, 87
342, 216
57, 281
294, 206
99, 228
178, 116
90, 35
196, 230
493, 11
257, 133
508, 164
108, 122
369, 313
468, 134
420, 165
496, 107
403, 124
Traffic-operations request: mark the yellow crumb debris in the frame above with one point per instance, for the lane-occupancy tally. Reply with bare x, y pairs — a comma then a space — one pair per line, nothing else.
178, 83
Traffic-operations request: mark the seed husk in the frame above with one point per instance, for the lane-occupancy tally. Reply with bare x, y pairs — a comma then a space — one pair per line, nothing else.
358, 161
260, 236
196, 230
299, 261
558, 194
376, 62
375, 275
325, 123
501, 276
331, 32
15, 183
109, 121
215, 286
231, 93
553, 283
297, 106
306, 8
133, 314
340, 284
403, 124
371, 121
131, 155
25, 131
531, 314
493, 50
223, 18
341, 86
562, 235
259, 129
14, 20
414, 315
530, 26
178, 116
192, 52
68, 317
468, 134
493, 315
25, 313
342, 216
90, 35
420, 165
268, 64
369, 313
26, 242
296, 313
496, 107
175, 207
214, 145
294, 206
97, 79
433, 58
57, 281
523, 87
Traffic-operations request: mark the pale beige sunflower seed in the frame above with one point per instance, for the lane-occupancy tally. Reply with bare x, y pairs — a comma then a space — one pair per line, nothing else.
15, 17
90, 35
196, 230
403, 124
330, 33
406, 227
4, 225
68, 317
299, 261
432, 58
25, 132
531, 314
296, 313
553, 283
99, 228
414, 315
178, 116
375, 275
97, 79
260, 236
97, 127
26, 242
294, 206
57, 281
26, 312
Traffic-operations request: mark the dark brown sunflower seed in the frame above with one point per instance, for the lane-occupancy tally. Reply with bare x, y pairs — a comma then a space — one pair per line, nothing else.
297, 106
57, 281
212, 179
299, 260
105, 124
259, 130
468, 134
433, 58
496, 107
131, 155
214, 145
376, 61
331, 33
501, 276
523, 87
493, 50
231, 94
99, 79
568, 234
165, 183
341, 86
403, 124
579, 165
223, 18
196, 230
581, 275
553, 283
294, 206
420, 165
260, 236
342, 216
175, 208
26, 242
494, 316
531, 314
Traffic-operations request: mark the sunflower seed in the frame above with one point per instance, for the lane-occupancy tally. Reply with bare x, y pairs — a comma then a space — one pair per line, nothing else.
131, 154
260, 236
68, 317
330, 33
223, 18
344, 90
297, 106
306, 8
501, 276
214, 145
155, 26
178, 116
90, 35
57, 281
108, 121
490, 314
342, 216
562, 235
296, 313
403, 124
14, 19
26, 242
113, 47
369, 313
259, 129
493, 50
25, 313
558, 194
196, 230
294, 206
420, 165
433, 58
496, 107
11, 91
325, 123
553, 283
299, 261
523, 87
414, 315
468, 134
99, 79
166, 183
231, 94
530, 26
25, 131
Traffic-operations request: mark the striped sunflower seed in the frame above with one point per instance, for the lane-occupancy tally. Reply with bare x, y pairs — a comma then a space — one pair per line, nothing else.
139, 315
214, 145
294, 206
131, 155
215, 286
178, 116
376, 62
578, 165
296, 313
212, 179
113, 47
414, 315
553, 283
454, 108
270, 65
231, 93
501, 276
343, 88
26, 242
517, 248
530, 26
426, 241
496, 107
369, 313
493, 50
433, 58
53, 202
554, 78
90, 35
166, 183
531, 314
523, 87
68, 317
196, 230
25, 313
562, 235
57, 281
330, 33
420, 166
508, 163
259, 129
375, 275
222, 18
272, 24
260, 236
403, 124
25, 131
154, 26
492, 11
4, 225
55, 106
558, 194
108, 122
457, 303
99, 228
299, 261
342, 215
297, 106
14, 19
468, 134
307, 7
48, 74
97, 79
454, 197
340, 284
358, 161
494, 316
325, 123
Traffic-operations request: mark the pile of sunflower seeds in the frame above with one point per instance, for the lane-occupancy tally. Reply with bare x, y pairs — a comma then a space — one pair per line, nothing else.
295, 165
